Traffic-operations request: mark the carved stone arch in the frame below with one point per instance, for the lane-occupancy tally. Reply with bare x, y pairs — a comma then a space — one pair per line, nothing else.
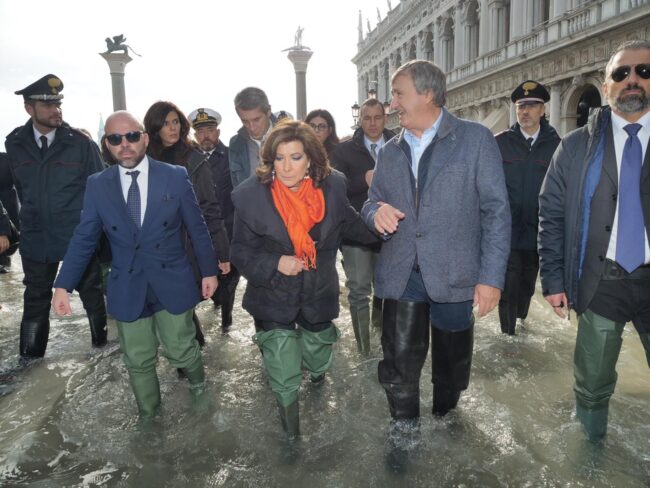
583, 94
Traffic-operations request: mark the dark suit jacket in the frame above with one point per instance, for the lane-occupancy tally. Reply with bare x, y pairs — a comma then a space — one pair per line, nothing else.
153, 256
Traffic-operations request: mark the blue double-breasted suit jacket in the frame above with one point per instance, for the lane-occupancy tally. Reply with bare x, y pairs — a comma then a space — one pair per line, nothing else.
153, 256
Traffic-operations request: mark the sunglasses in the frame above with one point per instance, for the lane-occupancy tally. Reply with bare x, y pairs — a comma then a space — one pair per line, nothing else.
622, 72
116, 139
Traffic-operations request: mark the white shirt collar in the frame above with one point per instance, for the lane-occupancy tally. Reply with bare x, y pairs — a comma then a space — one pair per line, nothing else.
619, 122
143, 168
50, 136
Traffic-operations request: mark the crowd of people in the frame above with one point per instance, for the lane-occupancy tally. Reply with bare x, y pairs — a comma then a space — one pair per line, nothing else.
437, 224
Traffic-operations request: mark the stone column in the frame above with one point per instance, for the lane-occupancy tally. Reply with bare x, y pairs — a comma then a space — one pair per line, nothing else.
558, 7
436, 28
300, 58
459, 39
517, 19
555, 104
484, 31
513, 112
117, 64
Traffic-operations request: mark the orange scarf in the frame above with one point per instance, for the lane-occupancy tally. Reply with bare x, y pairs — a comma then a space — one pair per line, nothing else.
300, 211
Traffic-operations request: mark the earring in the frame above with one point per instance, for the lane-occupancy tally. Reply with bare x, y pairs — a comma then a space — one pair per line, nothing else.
273, 175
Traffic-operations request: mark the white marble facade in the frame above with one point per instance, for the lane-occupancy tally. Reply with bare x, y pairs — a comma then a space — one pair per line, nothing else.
488, 47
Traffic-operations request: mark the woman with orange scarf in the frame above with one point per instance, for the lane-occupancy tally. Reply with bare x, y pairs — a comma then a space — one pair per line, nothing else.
289, 219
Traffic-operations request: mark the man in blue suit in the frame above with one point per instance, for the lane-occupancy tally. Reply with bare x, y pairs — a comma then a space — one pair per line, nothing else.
151, 289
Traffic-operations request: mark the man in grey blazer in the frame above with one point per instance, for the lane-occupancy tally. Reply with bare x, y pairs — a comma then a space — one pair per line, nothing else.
439, 199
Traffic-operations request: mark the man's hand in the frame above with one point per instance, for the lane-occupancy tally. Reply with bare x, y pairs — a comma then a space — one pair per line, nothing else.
387, 219
4, 243
224, 267
290, 265
209, 286
368, 176
61, 302
559, 303
486, 297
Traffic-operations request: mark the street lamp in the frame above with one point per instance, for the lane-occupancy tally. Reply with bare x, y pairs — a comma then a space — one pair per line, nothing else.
355, 113
386, 107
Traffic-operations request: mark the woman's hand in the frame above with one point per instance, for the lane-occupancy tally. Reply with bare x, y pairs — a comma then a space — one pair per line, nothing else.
290, 265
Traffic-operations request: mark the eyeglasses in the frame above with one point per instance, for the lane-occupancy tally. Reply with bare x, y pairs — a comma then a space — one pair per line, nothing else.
319, 127
622, 72
116, 139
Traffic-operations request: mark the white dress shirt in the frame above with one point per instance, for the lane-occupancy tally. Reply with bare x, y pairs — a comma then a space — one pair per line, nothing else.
143, 183
50, 137
620, 136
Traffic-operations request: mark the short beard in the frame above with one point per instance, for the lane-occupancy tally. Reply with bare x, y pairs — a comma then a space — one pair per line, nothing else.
121, 163
630, 104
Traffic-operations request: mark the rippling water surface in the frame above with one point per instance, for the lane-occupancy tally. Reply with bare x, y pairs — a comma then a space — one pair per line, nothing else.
69, 420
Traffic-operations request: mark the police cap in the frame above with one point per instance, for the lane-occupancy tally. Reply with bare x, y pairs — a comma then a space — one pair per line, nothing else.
204, 116
47, 89
530, 91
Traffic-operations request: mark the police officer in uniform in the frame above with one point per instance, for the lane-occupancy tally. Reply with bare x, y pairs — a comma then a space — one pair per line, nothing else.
205, 123
50, 162
526, 149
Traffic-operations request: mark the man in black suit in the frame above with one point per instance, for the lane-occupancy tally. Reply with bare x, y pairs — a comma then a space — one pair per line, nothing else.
593, 230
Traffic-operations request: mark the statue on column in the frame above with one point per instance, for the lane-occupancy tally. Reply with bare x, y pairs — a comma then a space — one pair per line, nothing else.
118, 44
298, 37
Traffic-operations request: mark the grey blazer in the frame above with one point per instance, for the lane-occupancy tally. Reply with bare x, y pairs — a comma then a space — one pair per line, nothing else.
457, 216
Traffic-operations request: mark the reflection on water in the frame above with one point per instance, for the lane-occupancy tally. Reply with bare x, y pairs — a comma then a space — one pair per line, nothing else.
69, 419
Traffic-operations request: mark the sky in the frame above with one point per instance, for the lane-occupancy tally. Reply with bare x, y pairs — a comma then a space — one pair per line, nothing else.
198, 54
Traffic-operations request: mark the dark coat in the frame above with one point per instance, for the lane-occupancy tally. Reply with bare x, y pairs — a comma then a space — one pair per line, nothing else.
8, 195
524, 170
260, 238
576, 210
153, 256
201, 178
220, 167
353, 160
50, 189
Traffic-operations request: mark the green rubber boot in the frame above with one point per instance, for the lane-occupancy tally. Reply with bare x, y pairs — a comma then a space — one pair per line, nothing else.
317, 351
594, 422
147, 393
281, 353
290, 418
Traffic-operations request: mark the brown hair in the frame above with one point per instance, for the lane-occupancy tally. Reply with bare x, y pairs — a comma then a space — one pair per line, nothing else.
154, 120
333, 139
289, 131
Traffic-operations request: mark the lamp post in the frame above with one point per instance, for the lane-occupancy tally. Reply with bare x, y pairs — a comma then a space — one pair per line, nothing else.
355, 115
386, 107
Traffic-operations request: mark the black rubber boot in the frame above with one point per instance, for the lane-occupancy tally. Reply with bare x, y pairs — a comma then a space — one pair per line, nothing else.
226, 310
33, 338
405, 344
98, 329
452, 363
377, 312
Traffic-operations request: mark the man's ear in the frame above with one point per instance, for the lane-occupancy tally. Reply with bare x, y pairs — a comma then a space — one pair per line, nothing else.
29, 108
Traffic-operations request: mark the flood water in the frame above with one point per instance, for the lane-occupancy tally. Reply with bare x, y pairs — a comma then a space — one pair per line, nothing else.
69, 420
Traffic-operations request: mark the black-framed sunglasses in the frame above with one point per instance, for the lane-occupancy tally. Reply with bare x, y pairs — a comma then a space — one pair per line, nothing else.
622, 72
319, 127
116, 139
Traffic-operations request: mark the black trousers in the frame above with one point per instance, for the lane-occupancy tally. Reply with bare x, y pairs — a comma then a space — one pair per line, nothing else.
521, 275
225, 294
39, 279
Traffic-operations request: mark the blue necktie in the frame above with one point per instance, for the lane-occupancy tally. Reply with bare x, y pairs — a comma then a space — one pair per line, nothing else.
630, 238
133, 198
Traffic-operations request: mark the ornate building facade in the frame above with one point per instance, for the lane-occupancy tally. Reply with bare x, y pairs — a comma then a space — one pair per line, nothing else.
488, 47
